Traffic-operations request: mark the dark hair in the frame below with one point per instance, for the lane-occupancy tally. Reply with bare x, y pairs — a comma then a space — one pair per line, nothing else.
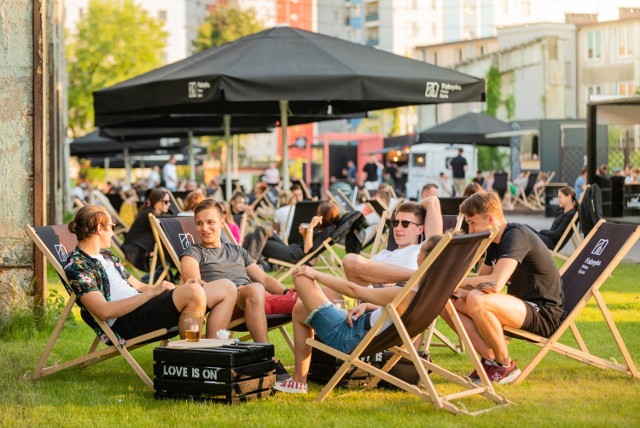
429, 186
295, 186
209, 204
85, 222
413, 208
330, 214
237, 195
481, 203
156, 195
569, 191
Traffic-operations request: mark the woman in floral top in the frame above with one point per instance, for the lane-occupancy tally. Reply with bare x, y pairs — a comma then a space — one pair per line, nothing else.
127, 305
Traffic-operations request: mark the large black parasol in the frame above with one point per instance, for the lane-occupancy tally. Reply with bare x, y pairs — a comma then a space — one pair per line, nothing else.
470, 128
288, 72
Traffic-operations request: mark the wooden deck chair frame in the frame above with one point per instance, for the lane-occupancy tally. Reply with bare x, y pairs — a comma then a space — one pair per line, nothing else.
174, 201
343, 209
331, 260
571, 232
537, 195
277, 321
305, 189
93, 355
578, 294
436, 278
100, 199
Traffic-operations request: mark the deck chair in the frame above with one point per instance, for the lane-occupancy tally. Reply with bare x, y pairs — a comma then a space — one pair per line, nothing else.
570, 233
501, 185
437, 277
176, 234
341, 201
536, 197
303, 213
524, 196
582, 276
55, 242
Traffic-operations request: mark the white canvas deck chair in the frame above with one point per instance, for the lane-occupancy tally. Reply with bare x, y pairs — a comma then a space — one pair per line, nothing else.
582, 276
55, 242
437, 277
176, 234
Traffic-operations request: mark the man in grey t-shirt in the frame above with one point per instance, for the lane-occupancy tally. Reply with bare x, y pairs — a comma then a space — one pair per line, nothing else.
213, 260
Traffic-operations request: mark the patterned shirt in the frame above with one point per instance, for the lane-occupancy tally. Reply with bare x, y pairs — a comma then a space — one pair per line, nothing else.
85, 274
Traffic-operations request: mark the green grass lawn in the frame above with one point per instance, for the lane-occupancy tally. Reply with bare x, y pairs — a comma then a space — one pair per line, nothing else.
560, 391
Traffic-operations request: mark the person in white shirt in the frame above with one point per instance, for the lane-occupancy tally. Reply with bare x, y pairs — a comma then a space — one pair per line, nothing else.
272, 175
170, 174
153, 180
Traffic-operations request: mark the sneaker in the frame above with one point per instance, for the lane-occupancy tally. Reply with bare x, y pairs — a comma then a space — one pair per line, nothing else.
291, 386
504, 375
281, 371
486, 364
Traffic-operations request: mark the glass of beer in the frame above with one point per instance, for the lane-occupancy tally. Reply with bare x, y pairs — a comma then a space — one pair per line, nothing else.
192, 325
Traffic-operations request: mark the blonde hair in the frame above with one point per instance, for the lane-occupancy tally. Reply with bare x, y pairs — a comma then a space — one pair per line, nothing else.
481, 203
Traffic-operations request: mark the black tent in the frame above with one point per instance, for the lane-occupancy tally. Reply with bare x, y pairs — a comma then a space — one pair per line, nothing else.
93, 144
470, 128
289, 72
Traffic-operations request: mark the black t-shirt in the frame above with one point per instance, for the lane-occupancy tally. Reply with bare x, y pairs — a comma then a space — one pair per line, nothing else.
372, 172
457, 166
536, 279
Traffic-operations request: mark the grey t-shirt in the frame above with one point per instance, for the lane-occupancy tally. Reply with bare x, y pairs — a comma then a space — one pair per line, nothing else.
230, 262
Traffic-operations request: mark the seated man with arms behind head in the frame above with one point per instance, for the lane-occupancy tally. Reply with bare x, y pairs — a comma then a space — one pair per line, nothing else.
213, 260
518, 259
412, 222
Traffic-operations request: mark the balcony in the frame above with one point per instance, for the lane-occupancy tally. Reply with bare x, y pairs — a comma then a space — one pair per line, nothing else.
372, 41
372, 16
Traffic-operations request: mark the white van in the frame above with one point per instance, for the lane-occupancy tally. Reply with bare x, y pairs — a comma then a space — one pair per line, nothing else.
427, 161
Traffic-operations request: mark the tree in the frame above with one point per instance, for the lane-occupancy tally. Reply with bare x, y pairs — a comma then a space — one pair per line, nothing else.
225, 24
113, 41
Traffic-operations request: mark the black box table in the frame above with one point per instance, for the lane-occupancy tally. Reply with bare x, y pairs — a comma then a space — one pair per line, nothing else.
323, 366
230, 373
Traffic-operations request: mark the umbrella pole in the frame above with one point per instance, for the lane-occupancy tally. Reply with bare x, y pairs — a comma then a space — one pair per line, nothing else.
106, 169
226, 119
192, 165
284, 122
127, 165
236, 143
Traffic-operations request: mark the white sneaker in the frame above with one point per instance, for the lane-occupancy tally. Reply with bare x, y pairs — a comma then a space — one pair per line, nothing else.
291, 386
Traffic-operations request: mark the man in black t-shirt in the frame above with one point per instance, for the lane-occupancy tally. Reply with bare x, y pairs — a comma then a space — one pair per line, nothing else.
518, 259
458, 166
371, 168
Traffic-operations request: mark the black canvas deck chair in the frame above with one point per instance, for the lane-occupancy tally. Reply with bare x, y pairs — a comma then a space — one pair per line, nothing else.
176, 234
341, 201
501, 185
56, 242
101, 199
437, 277
303, 213
582, 276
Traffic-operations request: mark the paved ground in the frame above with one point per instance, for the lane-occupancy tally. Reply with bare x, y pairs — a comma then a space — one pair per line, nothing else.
539, 221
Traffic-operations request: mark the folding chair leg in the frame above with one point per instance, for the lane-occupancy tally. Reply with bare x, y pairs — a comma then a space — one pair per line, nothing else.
38, 372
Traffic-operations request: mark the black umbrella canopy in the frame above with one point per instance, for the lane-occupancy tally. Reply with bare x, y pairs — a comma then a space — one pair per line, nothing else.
117, 161
93, 144
469, 128
317, 74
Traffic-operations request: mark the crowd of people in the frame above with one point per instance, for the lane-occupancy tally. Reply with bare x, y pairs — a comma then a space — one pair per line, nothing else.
226, 280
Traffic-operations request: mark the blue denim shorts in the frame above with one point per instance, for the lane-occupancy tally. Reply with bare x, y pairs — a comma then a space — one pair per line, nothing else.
331, 328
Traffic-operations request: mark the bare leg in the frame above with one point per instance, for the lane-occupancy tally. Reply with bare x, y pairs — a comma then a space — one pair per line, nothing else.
221, 298
301, 351
189, 297
251, 301
364, 272
479, 344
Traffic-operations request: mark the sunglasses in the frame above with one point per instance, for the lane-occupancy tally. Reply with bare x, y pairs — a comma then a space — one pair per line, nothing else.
404, 223
113, 226
166, 201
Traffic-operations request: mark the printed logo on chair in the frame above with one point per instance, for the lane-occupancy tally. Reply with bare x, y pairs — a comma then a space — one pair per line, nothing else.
600, 246
186, 240
61, 252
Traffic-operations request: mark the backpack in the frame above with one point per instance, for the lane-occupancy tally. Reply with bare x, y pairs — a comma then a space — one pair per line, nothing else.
590, 210
351, 231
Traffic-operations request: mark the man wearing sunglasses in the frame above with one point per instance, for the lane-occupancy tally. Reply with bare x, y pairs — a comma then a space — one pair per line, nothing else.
413, 221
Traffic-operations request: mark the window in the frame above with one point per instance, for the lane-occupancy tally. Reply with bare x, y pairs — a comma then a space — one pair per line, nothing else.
419, 159
460, 55
626, 88
162, 15
481, 50
594, 90
623, 42
594, 47
435, 58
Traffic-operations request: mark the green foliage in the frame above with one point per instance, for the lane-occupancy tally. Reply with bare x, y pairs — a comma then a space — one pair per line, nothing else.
113, 41
492, 158
226, 24
494, 91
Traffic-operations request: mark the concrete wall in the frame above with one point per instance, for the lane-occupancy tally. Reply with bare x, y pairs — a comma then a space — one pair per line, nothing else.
16, 152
